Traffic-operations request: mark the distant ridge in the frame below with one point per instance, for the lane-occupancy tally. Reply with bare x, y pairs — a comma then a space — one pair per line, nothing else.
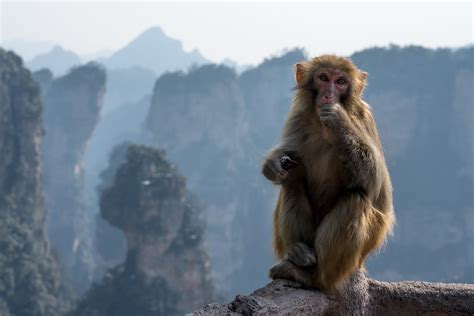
155, 50
58, 60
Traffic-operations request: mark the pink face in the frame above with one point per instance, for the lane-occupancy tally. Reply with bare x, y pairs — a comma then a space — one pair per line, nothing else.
331, 85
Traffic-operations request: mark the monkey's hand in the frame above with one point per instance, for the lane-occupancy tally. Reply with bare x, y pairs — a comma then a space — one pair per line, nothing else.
287, 163
333, 116
301, 255
273, 169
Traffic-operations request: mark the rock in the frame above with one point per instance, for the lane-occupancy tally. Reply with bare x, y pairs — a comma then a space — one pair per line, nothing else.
362, 296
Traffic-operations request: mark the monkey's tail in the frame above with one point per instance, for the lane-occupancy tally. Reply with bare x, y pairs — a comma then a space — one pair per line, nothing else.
345, 238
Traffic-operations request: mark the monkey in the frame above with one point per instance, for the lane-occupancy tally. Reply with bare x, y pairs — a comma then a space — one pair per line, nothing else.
334, 205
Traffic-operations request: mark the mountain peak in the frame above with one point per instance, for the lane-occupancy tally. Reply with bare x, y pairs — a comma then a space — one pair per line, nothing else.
152, 38
153, 49
57, 49
154, 31
58, 59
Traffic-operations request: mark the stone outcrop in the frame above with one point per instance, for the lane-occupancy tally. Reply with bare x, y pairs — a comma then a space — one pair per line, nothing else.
30, 280
166, 270
72, 104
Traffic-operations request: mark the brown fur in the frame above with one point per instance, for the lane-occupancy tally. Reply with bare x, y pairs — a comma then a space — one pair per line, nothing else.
338, 200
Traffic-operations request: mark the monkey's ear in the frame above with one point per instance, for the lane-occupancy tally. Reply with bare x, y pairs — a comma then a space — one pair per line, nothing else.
298, 73
361, 83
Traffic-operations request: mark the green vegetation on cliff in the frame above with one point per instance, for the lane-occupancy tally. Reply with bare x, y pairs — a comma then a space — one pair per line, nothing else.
30, 280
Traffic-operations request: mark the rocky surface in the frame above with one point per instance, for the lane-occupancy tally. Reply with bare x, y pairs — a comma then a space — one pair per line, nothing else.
166, 270
72, 104
363, 297
30, 280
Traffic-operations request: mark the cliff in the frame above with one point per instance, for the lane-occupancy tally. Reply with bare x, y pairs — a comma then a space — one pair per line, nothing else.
72, 104
424, 112
30, 280
166, 270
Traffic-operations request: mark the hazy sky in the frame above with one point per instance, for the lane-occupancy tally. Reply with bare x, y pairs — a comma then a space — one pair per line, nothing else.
246, 32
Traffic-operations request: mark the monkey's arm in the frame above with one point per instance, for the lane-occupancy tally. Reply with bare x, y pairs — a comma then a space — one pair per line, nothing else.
356, 148
288, 145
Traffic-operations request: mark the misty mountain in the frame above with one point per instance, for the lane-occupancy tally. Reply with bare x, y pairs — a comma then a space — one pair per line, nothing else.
120, 125
233, 64
28, 49
58, 60
153, 49
216, 126
97, 55
127, 85
72, 104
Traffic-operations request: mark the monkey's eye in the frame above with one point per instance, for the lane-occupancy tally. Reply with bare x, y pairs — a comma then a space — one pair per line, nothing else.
341, 81
323, 77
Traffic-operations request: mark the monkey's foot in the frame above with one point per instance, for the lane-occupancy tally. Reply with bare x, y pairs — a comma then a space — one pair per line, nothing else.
280, 270
287, 270
302, 255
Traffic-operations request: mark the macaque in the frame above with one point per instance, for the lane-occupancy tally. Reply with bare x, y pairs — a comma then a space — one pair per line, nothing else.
335, 202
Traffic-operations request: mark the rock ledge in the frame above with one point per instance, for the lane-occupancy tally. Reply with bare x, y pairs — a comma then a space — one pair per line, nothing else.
363, 297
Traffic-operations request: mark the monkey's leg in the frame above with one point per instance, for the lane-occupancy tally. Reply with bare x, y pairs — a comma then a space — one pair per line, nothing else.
346, 236
294, 232
293, 220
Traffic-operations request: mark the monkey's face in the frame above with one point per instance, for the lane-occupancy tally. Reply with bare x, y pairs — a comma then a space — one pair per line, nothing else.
331, 85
